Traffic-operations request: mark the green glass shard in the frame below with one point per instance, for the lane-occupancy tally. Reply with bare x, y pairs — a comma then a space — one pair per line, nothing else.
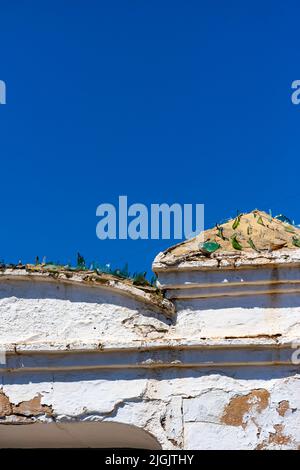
260, 221
123, 273
153, 281
283, 218
220, 233
80, 261
296, 242
270, 215
289, 229
140, 279
209, 247
236, 245
251, 244
236, 222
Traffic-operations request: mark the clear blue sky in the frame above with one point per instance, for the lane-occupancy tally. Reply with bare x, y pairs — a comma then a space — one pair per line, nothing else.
164, 101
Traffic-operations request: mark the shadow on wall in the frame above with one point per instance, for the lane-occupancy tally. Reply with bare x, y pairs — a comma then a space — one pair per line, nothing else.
77, 435
176, 375
275, 300
32, 290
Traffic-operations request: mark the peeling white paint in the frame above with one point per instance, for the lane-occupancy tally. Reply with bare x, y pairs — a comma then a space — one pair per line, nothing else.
215, 375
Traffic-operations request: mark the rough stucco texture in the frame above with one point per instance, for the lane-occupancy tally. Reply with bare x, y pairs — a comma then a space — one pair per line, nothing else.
182, 408
58, 312
191, 408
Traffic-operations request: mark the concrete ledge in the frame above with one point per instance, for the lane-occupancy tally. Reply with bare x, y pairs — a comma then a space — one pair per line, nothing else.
148, 295
214, 356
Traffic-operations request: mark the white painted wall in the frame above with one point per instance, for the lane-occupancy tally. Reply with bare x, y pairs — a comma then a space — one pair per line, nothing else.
216, 376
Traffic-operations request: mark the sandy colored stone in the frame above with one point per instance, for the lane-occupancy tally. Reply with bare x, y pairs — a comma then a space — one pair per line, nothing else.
256, 232
5, 406
32, 407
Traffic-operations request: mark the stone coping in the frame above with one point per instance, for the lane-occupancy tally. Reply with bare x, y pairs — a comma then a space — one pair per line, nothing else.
145, 294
